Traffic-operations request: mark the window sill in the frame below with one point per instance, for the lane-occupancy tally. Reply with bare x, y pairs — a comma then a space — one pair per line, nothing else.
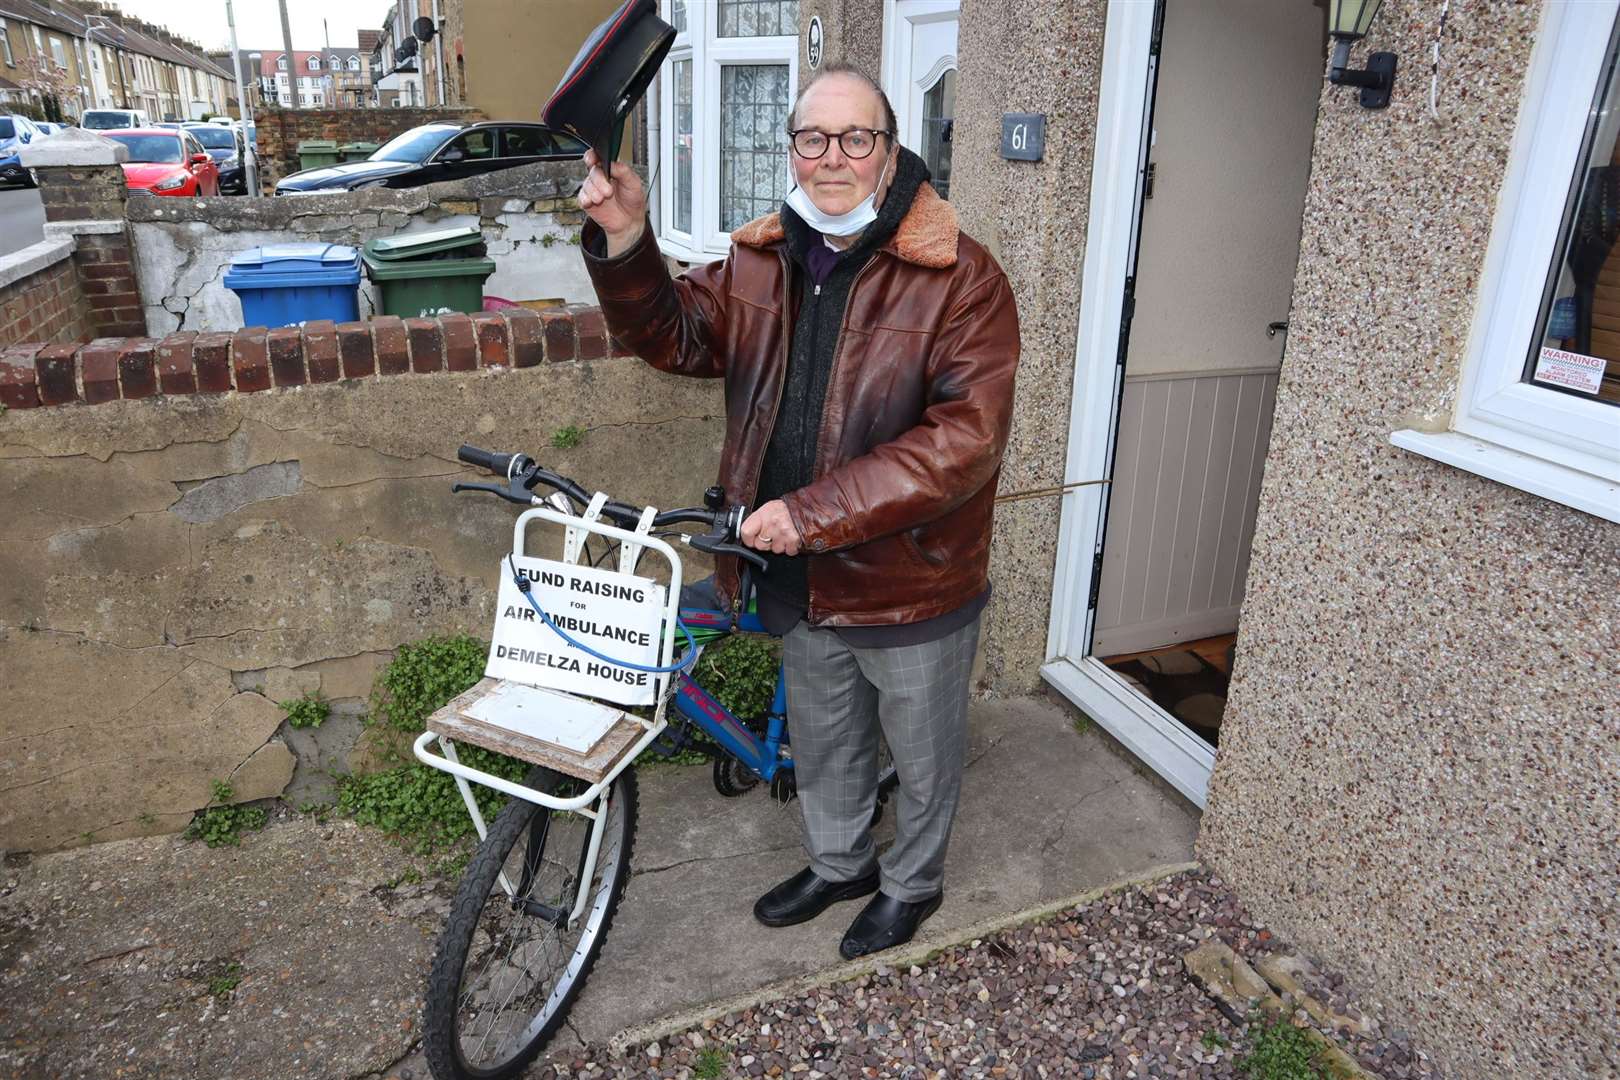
681, 252
1559, 483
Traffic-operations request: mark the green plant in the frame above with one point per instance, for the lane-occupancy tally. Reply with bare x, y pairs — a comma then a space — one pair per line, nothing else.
740, 673
308, 711
566, 438
711, 1063
1082, 724
223, 984
1279, 1051
219, 825
1212, 1040
413, 801
424, 676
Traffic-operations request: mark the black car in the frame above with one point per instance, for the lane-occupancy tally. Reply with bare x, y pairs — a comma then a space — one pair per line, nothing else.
440, 151
224, 145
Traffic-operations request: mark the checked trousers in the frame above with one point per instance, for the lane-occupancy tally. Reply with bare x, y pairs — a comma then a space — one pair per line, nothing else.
839, 698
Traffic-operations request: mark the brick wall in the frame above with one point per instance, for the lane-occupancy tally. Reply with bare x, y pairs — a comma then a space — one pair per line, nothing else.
47, 306
253, 359
82, 193
86, 198
281, 130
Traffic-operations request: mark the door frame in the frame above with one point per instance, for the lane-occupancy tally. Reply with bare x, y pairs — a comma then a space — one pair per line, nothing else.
1124, 115
899, 16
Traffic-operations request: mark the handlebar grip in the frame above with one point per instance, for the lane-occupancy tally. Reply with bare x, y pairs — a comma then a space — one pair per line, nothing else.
487, 459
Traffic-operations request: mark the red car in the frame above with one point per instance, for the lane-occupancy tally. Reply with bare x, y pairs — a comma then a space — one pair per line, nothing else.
166, 161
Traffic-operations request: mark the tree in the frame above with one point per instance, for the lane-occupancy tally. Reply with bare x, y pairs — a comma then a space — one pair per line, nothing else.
51, 84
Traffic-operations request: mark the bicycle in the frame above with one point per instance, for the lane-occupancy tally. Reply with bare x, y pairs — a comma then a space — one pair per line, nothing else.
541, 891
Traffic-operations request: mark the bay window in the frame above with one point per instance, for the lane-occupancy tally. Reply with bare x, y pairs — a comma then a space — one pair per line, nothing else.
724, 96
1539, 403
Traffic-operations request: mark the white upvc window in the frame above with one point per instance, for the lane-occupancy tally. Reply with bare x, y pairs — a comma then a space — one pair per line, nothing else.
5, 45
314, 63
723, 98
59, 53
1538, 407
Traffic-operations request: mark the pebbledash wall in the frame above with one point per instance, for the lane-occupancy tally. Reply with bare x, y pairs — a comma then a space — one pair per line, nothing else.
1418, 778
203, 525
528, 217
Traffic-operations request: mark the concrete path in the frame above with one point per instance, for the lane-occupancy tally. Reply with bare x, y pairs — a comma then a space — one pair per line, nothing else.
331, 958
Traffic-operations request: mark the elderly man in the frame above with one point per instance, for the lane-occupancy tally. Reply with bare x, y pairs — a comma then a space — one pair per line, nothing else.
868, 348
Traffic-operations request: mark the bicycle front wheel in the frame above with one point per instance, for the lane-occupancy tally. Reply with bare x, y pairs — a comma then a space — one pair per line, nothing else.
510, 961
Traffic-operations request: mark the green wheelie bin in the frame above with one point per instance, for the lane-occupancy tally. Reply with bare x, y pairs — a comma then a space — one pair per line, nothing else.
429, 273
317, 153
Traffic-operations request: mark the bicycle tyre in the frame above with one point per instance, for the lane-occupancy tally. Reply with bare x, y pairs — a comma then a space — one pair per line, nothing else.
888, 780
452, 1010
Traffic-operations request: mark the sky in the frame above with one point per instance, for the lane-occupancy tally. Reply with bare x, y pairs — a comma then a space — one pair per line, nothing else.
258, 22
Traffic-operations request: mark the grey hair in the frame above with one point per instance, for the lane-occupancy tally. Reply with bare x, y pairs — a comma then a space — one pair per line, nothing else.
843, 67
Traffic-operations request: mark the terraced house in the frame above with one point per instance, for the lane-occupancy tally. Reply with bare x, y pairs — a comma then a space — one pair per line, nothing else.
62, 59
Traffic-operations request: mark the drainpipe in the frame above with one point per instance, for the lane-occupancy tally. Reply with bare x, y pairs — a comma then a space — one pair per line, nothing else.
438, 52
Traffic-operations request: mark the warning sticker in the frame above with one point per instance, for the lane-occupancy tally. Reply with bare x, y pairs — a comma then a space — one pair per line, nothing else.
1573, 370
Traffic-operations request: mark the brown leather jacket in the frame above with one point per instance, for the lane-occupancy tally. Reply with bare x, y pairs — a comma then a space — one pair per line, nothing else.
917, 411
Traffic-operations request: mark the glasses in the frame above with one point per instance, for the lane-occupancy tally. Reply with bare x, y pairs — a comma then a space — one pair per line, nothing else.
856, 143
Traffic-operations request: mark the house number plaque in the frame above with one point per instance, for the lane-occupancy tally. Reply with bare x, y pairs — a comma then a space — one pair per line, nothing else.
1023, 136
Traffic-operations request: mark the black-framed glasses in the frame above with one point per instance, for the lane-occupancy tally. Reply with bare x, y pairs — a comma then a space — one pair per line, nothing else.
856, 143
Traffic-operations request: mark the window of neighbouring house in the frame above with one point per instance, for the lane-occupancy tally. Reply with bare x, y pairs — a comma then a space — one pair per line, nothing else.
724, 95
58, 53
758, 18
754, 105
5, 45
682, 70
1541, 379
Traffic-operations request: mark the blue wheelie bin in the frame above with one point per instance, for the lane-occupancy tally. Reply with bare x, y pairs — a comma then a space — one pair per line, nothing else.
286, 284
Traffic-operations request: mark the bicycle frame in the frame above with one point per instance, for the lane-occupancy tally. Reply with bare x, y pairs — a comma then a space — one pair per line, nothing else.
764, 756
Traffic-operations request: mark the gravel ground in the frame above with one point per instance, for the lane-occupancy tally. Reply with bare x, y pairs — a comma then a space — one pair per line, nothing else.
1094, 992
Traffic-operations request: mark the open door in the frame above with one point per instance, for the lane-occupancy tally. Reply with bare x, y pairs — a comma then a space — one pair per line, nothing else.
1174, 400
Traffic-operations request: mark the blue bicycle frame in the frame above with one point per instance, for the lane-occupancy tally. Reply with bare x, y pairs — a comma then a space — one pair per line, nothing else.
765, 757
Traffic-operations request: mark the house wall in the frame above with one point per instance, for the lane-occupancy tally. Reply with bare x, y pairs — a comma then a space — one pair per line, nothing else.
515, 53
1419, 776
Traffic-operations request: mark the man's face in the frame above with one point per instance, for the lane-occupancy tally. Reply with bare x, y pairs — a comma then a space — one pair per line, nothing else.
837, 183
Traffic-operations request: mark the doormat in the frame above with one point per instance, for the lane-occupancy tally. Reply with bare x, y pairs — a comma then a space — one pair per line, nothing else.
1183, 684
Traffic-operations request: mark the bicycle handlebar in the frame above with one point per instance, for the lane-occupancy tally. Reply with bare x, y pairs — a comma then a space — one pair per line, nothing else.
523, 474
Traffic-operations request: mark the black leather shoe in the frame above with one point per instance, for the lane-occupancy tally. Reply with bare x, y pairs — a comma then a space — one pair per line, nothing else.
804, 896
885, 923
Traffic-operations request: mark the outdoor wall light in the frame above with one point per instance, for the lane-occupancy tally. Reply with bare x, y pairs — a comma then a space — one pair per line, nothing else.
1348, 21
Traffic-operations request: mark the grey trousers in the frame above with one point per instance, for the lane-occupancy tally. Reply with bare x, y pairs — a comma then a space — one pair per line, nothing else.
838, 696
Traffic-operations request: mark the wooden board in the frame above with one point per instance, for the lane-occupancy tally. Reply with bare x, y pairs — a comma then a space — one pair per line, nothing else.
452, 722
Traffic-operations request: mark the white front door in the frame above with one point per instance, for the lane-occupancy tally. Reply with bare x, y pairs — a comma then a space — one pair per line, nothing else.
919, 75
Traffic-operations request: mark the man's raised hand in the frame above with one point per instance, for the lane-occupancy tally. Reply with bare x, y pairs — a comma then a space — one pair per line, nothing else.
618, 205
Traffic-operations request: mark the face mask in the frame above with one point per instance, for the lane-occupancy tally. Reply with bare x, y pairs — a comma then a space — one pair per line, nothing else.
833, 224
847, 224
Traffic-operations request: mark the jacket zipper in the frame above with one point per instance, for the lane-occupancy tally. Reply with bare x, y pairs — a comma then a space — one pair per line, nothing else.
781, 382
832, 377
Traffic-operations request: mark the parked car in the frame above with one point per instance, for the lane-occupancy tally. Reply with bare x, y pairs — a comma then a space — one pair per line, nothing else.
167, 162
16, 132
225, 146
439, 151
48, 128
110, 119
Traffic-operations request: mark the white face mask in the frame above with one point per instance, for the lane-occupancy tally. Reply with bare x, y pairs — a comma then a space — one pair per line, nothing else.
847, 224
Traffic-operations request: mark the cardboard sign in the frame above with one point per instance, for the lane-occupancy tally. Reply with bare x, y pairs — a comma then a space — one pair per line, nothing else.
617, 615
1574, 370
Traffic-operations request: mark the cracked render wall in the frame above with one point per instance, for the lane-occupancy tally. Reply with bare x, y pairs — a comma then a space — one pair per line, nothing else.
171, 567
530, 223
1419, 771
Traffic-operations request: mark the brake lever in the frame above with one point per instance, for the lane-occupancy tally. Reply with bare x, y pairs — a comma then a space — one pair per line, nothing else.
515, 491
714, 546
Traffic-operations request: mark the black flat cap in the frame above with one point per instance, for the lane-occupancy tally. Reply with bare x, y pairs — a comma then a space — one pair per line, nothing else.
609, 75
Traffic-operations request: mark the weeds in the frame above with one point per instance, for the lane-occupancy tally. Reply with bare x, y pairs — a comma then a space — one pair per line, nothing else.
309, 711
223, 825
711, 1063
1279, 1051
224, 984
566, 438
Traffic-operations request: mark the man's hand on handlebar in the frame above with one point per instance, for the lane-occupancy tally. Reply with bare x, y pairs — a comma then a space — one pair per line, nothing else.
770, 528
